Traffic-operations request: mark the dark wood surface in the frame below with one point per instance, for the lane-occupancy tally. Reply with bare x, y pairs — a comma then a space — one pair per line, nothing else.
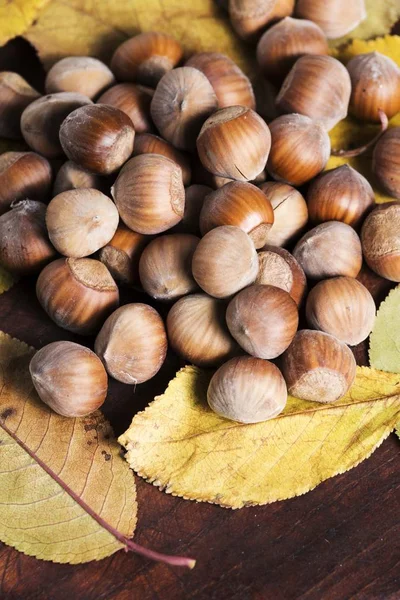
338, 542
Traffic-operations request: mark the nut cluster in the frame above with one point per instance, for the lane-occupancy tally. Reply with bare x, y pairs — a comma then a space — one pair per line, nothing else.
173, 185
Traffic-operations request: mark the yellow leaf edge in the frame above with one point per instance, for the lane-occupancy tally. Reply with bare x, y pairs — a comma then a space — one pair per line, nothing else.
17, 17
168, 488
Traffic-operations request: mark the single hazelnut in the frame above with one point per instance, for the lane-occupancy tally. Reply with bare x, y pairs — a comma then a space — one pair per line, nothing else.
329, 250
380, 238
318, 87
335, 17
279, 268
225, 261
147, 143
134, 101
197, 331
69, 378
183, 100
341, 194
98, 137
343, 307
235, 143
83, 74
149, 193
318, 367
290, 212
231, 86
250, 17
247, 390
73, 177
25, 246
165, 266
41, 121
375, 81
132, 343
386, 161
240, 204
23, 175
78, 294
122, 253
15, 95
80, 222
146, 57
300, 149
263, 319
194, 200
283, 43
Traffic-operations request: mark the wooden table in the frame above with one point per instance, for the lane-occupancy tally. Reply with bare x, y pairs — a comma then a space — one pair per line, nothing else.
338, 542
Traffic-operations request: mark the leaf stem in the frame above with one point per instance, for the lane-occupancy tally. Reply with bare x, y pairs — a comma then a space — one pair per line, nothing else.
178, 561
361, 149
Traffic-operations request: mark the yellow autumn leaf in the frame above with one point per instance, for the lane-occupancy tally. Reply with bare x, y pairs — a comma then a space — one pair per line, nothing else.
384, 341
6, 280
182, 447
16, 16
38, 516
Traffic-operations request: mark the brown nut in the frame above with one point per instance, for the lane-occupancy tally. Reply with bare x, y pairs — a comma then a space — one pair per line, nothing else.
122, 254
380, 238
197, 331
335, 17
41, 121
23, 175
247, 390
146, 57
300, 149
72, 177
242, 205
279, 268
263, 319
250, 17
78, 294
318, 367
15, 95
290, 212
225, 261
132, 343
149, 193
235, 143
134, 101
69, 378
194, 200
343, 307
98, 137
386, 161
329, 250
83, 74
147, 143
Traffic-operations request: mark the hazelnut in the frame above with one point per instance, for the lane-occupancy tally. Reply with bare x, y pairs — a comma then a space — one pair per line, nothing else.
242, 205
197, 331
69, 378
335, 17
375, 81
300, 149
231, 86
318, 87
82, 74
15, 95
25, 246
98, 137
318, 367
329, 250
80, 222
341, 194
282, 44
250, 17
146, 57
247, 390
122, 253
225, 261
343, 307
146, 143
386, 161
72, 177
263, 319
234, 142
134, 101
132, 343
279, 268
149, 193
23, 175
380, 238
194, 200
165, 266
78, 294
41, 121
183, 100
290, 212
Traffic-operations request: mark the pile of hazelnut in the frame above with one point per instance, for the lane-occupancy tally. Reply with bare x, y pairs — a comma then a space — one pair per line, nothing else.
174, 185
